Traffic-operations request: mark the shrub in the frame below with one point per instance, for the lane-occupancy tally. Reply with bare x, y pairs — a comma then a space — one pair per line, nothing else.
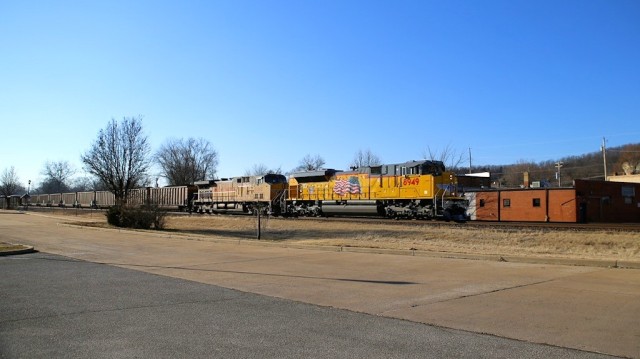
136, 217
113, 216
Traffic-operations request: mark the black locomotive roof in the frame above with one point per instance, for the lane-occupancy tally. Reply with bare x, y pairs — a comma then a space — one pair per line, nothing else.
420, 162
314, 176
418, 167
204, 183
410, 167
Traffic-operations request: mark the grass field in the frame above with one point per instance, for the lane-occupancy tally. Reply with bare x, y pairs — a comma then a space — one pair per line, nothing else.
427, 237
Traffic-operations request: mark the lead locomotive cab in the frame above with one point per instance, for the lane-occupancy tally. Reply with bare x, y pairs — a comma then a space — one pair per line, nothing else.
435, 168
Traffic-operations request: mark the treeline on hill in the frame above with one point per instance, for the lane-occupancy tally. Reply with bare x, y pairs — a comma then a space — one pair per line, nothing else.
587, 166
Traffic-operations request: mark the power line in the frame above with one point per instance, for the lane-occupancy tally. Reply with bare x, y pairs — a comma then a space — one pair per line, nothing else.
568, 140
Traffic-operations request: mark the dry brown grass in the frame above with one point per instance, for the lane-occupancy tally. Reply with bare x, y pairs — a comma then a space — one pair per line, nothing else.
427, 237
461, 238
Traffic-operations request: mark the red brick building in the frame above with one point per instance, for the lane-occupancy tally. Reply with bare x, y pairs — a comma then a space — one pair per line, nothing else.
588, 201
604, 201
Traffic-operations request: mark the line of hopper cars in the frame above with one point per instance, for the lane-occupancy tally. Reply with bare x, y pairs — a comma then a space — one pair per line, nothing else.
416, 189
170, 198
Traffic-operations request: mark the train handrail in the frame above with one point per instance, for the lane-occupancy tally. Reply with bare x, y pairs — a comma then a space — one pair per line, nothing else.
435, 201
281, 197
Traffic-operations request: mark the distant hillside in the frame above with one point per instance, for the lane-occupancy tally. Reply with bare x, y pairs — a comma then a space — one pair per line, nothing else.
587, 166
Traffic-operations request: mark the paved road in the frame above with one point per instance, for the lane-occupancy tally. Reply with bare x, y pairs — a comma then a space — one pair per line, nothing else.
591, 309
53, 307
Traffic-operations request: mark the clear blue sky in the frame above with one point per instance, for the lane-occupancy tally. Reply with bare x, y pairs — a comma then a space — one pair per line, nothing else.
271, 81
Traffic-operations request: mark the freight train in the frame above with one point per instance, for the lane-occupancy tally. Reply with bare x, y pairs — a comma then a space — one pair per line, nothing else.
415, 189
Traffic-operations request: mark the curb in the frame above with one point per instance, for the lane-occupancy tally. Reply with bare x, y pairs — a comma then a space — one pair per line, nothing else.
27, 249
601, 263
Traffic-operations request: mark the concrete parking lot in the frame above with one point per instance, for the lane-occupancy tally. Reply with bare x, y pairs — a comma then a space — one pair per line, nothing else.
64, 308
584, 308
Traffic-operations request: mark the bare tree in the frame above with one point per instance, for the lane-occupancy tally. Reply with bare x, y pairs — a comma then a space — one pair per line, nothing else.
57, 177
310, 163
513, 175
86, 183
186, 161
9, 182
365, 159
449, 156
119, 157
628, 159
261, 169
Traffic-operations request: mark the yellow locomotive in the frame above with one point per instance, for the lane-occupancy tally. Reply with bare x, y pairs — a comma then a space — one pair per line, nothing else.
416, 189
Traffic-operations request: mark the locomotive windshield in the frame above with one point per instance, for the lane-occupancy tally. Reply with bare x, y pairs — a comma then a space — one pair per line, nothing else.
274, 178
433, 167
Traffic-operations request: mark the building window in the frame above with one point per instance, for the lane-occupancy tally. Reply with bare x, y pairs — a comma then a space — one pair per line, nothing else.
628, 191
536, 202
506, 202
481, 202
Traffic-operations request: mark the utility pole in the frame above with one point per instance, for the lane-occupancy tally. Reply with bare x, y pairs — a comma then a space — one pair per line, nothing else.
28, 195
469, 160
558, 166
604, 156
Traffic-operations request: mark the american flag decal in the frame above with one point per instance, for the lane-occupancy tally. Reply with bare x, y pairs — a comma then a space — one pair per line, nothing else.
343, 187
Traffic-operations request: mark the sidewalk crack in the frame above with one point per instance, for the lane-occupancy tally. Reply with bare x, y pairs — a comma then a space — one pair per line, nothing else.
471, 295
